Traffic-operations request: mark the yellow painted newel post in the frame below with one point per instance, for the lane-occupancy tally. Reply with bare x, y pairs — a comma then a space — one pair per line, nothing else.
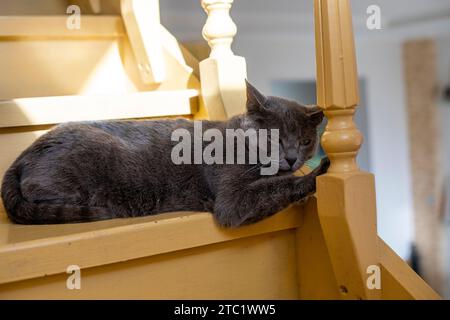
223, 74
346, 196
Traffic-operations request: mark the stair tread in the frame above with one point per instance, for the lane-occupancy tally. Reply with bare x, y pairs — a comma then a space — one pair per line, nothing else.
29, 251
58, 109
49, 27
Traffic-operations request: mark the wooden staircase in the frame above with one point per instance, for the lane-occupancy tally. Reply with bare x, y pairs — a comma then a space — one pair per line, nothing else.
128, 66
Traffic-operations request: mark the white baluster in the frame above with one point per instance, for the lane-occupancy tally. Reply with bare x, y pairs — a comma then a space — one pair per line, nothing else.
223, 74
219, 29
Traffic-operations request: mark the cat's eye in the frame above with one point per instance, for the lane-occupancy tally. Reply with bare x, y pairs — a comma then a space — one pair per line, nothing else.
306, 142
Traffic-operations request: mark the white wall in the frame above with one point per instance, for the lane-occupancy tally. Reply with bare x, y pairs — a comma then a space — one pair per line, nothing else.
443, 48
380, 63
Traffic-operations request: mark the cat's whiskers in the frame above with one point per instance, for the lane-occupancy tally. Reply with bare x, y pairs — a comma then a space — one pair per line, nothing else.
252, 169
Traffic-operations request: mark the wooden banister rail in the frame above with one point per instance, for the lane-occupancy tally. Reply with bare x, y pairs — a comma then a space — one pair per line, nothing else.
346, 196
223, 74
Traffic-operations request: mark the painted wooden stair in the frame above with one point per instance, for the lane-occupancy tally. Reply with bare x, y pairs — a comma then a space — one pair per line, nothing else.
41, 57
318, 251
52, 74
54, 110
175, 255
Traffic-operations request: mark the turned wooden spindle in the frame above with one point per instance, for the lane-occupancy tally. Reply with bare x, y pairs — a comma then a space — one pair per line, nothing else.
219, 29
337, 86
341, 139
346, 196
223, 74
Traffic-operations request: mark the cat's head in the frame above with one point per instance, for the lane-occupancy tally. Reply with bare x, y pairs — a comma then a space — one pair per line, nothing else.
297, 126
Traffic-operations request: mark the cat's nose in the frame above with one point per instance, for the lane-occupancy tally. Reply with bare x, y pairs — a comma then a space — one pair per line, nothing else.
291, 161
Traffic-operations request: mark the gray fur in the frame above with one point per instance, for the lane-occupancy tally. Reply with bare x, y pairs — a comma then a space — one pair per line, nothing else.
89, 171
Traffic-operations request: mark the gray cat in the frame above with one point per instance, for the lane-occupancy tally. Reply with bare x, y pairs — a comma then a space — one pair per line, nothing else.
89, 171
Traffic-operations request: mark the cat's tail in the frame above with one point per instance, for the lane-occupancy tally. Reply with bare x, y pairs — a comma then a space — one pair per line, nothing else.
21, 211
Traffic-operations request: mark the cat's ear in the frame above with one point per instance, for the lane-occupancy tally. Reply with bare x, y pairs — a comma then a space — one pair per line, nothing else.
255, 99
315, 114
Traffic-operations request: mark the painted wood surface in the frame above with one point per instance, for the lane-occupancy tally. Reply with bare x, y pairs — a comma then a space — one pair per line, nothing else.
315, 275
320, 251
346, 196
223, 74
34, 251
142, 21
96, 59
55, 27
255, 267
53, 110
88, 74
399, 281
337, 82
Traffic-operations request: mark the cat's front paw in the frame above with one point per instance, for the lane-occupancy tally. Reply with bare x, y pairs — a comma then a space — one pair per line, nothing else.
323, 166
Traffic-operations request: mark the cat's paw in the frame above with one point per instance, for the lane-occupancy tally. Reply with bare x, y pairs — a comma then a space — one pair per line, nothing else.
323, 166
